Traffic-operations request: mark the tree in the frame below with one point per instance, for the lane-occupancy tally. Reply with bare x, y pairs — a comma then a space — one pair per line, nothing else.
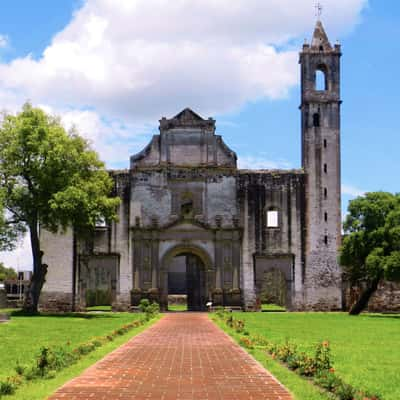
370, 250
6, 273
52, 179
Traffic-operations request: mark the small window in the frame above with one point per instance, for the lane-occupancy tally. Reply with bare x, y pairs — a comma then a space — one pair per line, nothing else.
325, 144
325, 193
272, 219
316, 120
325, 168
326, 239
320, 80
326, 217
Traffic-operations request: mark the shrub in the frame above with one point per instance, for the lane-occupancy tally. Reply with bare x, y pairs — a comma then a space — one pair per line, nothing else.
286, 351
143, 305
246, 342
7, 387
229, 321
344, 391
85, 348
42, 361
238, 325
323, 356
328, 380
149, 309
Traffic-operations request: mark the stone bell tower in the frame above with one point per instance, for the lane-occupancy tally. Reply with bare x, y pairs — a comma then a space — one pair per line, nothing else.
320, 119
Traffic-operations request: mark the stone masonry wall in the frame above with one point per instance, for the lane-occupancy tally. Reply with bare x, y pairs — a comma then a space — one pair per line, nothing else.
385, 299
58, 255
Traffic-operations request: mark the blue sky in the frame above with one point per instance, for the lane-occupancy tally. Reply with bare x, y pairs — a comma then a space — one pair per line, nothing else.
114, 68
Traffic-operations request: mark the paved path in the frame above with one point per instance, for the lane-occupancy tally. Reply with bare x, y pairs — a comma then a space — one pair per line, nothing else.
181, 357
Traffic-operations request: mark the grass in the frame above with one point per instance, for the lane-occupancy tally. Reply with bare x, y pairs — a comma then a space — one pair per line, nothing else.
8, 310
98, 308
365, 349
22, 337
300, 388
41, 389
177, 307
272, 307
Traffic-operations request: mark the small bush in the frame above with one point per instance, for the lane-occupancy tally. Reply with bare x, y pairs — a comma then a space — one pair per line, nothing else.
85, 348
238, 325
327, 380
323, 356
6, 387
246, 342
344, 391
149, 309
42, 361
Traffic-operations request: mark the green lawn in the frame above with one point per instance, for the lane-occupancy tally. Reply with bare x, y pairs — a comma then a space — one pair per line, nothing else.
365, 349
98, 308
22, 337
177, 307
272, 307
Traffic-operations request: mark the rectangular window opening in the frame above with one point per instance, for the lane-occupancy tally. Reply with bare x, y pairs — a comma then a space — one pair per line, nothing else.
326, 239
326, 217
272, 219
325, 168
325, 144
325, 193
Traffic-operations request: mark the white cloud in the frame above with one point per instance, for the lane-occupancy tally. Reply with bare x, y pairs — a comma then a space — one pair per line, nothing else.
138, 60
3, 41
352, 191
141, 59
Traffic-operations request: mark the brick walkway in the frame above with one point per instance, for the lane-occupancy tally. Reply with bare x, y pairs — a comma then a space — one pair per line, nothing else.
183, 356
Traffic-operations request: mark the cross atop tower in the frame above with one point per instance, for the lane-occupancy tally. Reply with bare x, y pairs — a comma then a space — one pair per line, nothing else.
318, 10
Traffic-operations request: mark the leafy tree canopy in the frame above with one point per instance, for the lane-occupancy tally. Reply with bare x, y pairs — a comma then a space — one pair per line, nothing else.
48, 177
371, 245
6, 273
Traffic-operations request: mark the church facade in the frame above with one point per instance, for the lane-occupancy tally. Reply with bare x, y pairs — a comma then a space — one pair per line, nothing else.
191, 222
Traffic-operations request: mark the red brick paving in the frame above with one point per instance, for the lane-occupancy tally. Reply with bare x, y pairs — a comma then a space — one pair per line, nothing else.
183, 356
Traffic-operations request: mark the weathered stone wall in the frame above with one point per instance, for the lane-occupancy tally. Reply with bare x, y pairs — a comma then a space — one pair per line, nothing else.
56, 301
259, 192
385, 299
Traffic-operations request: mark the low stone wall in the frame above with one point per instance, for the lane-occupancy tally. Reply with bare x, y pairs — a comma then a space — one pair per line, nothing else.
55, 301
385, 299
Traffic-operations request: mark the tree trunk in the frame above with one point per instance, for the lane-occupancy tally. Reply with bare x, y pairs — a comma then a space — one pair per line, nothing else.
362, 302
32, 293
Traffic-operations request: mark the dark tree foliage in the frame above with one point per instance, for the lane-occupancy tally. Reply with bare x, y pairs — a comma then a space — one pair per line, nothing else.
371, 246
6, 273
48, 178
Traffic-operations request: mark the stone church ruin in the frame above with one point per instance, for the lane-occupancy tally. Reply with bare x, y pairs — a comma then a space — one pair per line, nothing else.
191, 221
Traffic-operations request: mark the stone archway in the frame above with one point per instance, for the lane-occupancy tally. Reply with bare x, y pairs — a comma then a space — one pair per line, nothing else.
197, 275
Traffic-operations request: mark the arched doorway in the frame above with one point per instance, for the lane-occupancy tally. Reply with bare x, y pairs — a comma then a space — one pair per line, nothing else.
185, 272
